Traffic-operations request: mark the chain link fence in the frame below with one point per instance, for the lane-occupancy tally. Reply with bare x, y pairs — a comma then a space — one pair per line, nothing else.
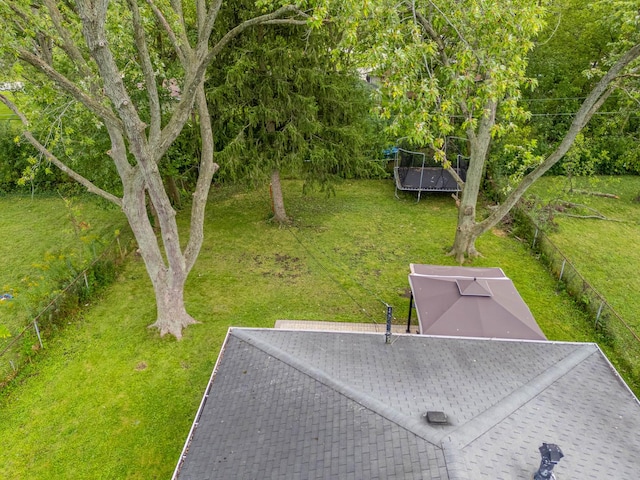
20, 348
617, 338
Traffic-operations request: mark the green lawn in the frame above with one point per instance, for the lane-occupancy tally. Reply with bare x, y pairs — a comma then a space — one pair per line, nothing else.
108, 398
34, 229
6, 115
605, 252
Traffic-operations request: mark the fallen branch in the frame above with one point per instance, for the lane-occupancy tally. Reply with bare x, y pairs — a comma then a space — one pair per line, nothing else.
596, 217
595, 213
596, 194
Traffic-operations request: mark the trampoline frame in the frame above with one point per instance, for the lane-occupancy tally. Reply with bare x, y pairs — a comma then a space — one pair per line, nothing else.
431, 178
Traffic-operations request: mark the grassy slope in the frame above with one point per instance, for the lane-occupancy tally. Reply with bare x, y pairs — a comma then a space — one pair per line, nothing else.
110, 399
605, 253
30, 228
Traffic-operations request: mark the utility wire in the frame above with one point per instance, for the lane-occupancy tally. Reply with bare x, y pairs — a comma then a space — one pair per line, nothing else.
573, 113
555, 99
560, 114
550, 99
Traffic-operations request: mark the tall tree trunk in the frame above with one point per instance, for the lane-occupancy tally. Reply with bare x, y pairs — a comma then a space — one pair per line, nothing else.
167, 276
154, 215
172, 316
172, 190
468, 229
464, 242
279, 213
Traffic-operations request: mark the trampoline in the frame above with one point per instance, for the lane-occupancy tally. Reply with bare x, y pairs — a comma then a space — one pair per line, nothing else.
416, 172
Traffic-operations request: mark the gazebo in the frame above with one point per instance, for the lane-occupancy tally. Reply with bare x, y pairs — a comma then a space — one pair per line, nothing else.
469, 302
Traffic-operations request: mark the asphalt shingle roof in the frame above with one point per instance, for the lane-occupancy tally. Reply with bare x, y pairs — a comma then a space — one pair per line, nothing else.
287, 404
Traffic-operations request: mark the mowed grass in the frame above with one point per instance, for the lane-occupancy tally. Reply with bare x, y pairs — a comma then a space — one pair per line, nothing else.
109, 398
31, 228
5, 112
605, 252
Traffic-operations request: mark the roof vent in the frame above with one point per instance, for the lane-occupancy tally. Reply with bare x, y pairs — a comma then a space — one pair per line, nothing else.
474, 288
437, 418
551, 455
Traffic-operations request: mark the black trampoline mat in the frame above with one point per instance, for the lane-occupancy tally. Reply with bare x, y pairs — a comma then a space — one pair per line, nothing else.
425, 179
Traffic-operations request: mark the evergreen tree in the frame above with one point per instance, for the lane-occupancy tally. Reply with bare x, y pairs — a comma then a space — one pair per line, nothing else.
285, 100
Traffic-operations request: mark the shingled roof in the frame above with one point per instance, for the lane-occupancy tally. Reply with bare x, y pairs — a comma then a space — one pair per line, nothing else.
304, 404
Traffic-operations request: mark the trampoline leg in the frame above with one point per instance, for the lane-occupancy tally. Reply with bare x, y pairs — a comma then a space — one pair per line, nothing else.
409, 317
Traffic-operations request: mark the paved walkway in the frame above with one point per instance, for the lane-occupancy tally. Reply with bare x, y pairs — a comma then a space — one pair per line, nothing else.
338, 326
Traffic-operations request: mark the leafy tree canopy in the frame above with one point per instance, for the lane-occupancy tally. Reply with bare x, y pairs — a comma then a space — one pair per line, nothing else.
134, 70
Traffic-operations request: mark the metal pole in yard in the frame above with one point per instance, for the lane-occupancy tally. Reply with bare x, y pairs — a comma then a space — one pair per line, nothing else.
599, 312
535, 236
564, 262
35, 324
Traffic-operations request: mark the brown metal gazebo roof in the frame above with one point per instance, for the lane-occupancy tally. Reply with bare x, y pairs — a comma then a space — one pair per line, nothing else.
470, 302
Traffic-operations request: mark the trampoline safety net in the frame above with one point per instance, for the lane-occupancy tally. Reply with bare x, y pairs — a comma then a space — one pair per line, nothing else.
416, 172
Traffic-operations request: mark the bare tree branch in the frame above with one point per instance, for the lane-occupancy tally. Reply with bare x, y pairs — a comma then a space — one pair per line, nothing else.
94, 21
597, 96
118, 153
207, 169
554, 31
176, 5
596, 106
68, 45
192, 78
460, 36
439, 41
53, 159
286, 21
207, 26
452, 171
234, 32
19, 15
147, 70
182, 50
433, 35
71, 88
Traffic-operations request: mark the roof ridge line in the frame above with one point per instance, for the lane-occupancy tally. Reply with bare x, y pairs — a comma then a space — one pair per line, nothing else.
415, 426
455, 462
474, 428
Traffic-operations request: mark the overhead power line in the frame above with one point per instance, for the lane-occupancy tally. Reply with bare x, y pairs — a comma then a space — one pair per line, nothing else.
550, 99
560, 114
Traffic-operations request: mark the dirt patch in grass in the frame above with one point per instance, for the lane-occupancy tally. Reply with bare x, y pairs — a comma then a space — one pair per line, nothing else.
141, 366
281, 265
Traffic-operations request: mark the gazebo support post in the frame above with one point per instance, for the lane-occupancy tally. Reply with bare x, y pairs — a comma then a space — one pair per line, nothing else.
409, 316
